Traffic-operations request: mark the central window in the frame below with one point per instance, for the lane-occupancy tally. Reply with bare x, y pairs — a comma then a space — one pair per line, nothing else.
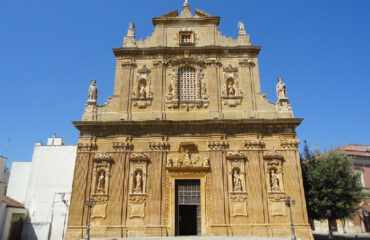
187, 84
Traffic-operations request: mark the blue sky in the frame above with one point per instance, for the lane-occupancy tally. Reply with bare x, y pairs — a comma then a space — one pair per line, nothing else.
49, 51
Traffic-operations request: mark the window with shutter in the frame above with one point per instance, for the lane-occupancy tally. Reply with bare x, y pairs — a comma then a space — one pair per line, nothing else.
187, 84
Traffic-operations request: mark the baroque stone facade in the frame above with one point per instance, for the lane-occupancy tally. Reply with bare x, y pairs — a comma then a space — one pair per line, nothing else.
187, 131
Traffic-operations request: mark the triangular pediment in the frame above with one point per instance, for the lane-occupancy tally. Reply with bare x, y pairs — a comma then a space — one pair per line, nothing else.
173, 13
200, 13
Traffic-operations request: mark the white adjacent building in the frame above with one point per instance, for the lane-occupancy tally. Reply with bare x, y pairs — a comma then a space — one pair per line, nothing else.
44, 186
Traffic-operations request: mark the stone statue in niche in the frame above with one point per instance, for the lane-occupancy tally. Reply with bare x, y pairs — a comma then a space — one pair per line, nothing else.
275, 184
93, 92
237, 181
138, 181
230, 88
100, 188
142, 91
281, 89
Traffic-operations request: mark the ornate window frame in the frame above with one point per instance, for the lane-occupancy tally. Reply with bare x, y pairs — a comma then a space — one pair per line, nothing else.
173, 98
143, 77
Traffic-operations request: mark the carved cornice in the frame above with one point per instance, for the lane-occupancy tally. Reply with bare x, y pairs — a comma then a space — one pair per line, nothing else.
246, 63
167, 127
122, 146
103, 156
221, 50
87, 147
276, 196
290, 144
137, 198
101, 198
254, 144
139, 156
159, 146
230, 69
238, 196
235, 156
128, 64
218, 144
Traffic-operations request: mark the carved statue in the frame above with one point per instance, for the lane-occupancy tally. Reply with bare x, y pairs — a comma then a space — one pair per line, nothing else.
205, 161
131, 30
142, 91
187, 160
138, 188
230, 89
275, 185
281, 89
101, 183
93, 91
241, 27
169, 162
237, 182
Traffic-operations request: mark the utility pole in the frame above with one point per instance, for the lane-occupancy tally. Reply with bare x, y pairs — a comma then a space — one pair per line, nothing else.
288, 204
90, 204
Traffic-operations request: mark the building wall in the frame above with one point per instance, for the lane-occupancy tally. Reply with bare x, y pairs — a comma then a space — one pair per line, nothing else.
50, 177
18, 181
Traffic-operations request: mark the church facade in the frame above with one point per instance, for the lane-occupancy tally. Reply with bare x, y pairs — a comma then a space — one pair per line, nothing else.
188, 144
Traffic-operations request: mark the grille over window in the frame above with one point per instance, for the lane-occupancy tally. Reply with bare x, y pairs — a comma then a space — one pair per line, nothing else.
187, 84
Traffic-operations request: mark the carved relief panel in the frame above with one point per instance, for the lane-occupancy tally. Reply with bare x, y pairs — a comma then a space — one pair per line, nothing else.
231, 94
237, 183
142, 95
187, 87
100, 183
137, 184
274, 183
187, 158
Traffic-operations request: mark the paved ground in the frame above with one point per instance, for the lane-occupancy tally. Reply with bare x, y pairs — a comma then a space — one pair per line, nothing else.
194, 238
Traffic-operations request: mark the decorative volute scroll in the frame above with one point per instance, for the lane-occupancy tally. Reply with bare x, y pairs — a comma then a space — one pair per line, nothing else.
238, 193
218, 144
274, 182
137, 184
247, 63
187, 87
142, 95
289, 143
231, 94
188, 158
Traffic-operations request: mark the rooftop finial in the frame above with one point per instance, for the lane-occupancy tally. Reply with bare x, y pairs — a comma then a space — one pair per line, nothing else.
186, 10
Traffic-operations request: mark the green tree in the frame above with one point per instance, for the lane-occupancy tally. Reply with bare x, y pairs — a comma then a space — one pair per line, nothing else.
330, 184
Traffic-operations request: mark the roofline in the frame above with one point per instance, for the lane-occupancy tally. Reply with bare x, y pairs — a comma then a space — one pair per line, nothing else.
180, 50
203, 20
